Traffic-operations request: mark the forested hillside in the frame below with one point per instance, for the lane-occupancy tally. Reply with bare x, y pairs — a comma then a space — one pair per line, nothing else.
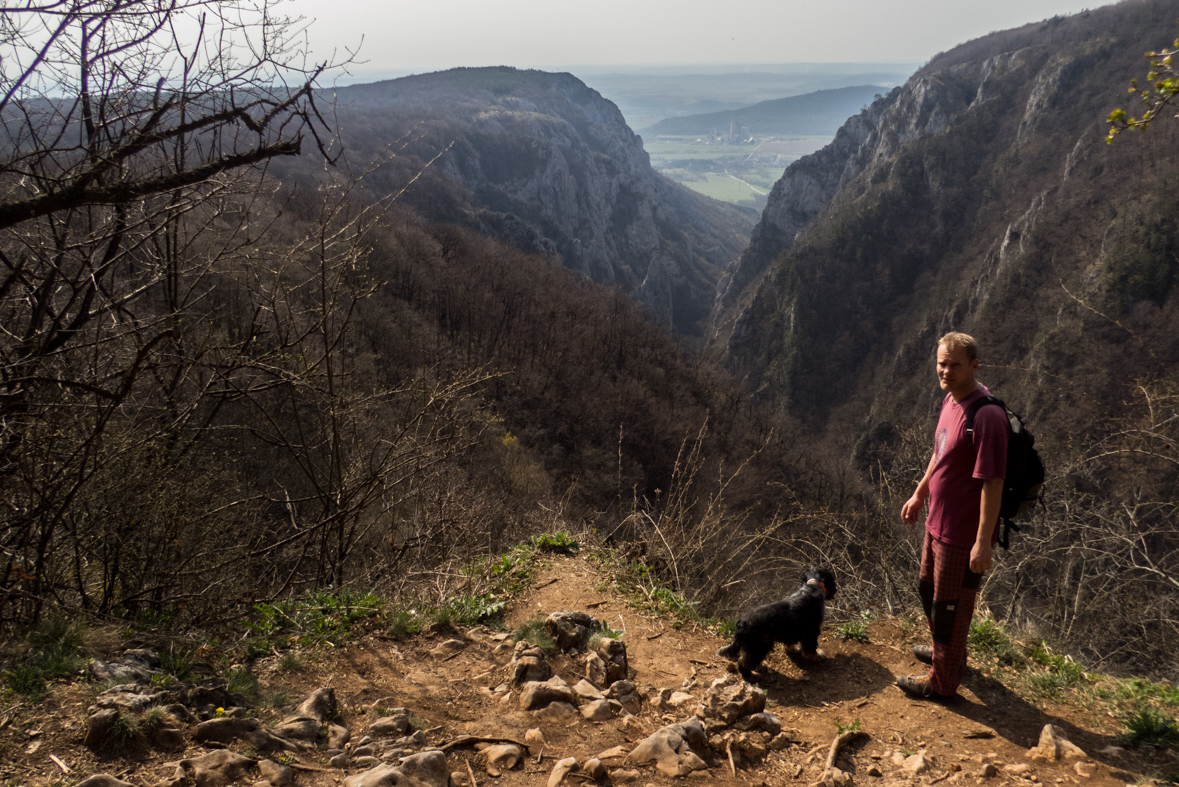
982, 197
544, 163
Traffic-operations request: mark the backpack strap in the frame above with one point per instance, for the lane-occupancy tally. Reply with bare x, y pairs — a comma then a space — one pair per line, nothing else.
1005, 535
977, 405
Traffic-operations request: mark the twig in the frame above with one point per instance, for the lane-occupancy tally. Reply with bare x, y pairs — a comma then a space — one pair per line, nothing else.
656, 636
550, 582
596, 604
464, 740
840, 740
539, 755
729, 751
471, 773
64, 768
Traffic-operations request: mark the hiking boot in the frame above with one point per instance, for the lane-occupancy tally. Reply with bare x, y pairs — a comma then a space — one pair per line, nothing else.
919, 686
916, 685
923, 653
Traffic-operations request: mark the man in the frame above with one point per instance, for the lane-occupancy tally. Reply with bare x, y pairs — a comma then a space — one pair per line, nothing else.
964, 487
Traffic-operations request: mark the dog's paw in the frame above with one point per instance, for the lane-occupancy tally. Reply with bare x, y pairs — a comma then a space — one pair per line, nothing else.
818, 655
728, 652
794, 647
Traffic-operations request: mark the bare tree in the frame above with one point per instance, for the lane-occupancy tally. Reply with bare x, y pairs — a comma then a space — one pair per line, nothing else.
125, 127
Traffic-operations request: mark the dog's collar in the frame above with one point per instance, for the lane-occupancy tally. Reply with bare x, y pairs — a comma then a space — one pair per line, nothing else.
818, 584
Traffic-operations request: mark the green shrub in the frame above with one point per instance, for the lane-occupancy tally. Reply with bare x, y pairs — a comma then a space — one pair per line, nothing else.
560, 543
469, 609
1151, 727
853, 629
26, 680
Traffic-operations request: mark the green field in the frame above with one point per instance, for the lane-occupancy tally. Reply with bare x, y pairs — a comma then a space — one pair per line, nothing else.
705, 167
722, 187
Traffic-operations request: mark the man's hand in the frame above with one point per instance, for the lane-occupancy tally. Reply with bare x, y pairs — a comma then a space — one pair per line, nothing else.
912, 508
980, 556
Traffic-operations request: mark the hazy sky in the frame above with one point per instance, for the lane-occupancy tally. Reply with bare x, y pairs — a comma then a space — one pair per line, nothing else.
438, 34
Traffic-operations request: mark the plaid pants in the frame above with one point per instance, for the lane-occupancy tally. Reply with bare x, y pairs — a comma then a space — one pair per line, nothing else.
948, 589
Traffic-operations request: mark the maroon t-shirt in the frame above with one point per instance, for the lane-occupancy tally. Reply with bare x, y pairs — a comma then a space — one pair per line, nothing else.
955, 488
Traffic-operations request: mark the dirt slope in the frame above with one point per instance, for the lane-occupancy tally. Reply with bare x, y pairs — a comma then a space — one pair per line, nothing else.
455, 694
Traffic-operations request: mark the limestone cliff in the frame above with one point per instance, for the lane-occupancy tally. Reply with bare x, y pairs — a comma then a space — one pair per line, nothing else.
547, 164
980, 196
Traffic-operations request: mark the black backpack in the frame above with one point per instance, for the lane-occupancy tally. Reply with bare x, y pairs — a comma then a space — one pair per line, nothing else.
1025, 471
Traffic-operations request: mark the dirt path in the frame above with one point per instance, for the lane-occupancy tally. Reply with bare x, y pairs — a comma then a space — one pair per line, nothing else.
461, 693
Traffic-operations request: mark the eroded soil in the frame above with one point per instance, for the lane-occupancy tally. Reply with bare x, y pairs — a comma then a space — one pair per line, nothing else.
454, 695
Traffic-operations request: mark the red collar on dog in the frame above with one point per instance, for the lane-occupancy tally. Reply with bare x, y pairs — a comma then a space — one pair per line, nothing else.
818, 584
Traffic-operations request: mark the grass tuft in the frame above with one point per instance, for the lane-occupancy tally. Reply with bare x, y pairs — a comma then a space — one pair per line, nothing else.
534, 631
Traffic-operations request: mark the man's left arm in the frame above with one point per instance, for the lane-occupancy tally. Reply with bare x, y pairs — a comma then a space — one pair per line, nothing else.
988, 519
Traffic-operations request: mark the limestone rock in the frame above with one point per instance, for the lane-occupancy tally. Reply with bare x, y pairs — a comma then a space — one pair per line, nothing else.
303, 725
278, 775
427, 769
673, 749
587, 690
562, 769
113, 672
834, 777
916, 763
557, 713
215, 769
528, 665
102, 780
448, 648
534, 738
502, 757
729, 698
594, 769
624, 776
225, 730
765, 722
396, 723
595, 670
1054, 745
627, 694
129, 697
617, 752
339, 761
98, 726
337, 736
535, 694
597, 710
613, 654
570, 630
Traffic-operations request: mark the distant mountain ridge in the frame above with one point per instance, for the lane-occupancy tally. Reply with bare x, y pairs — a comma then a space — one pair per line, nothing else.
821, 112
546, 164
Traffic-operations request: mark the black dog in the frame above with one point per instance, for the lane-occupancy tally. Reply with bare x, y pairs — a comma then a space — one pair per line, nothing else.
794, 620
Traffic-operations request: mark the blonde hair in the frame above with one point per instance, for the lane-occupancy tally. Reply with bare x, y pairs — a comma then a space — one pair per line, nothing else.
953, 340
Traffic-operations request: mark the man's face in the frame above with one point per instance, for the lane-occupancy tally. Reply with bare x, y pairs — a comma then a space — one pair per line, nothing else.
955, 373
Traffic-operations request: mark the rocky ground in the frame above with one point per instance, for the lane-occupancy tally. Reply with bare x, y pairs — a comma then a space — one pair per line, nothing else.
474, 708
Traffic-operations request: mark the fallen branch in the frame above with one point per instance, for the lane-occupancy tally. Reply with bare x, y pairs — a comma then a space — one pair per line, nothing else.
841, 740
465, 740
471, 773
729, 751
